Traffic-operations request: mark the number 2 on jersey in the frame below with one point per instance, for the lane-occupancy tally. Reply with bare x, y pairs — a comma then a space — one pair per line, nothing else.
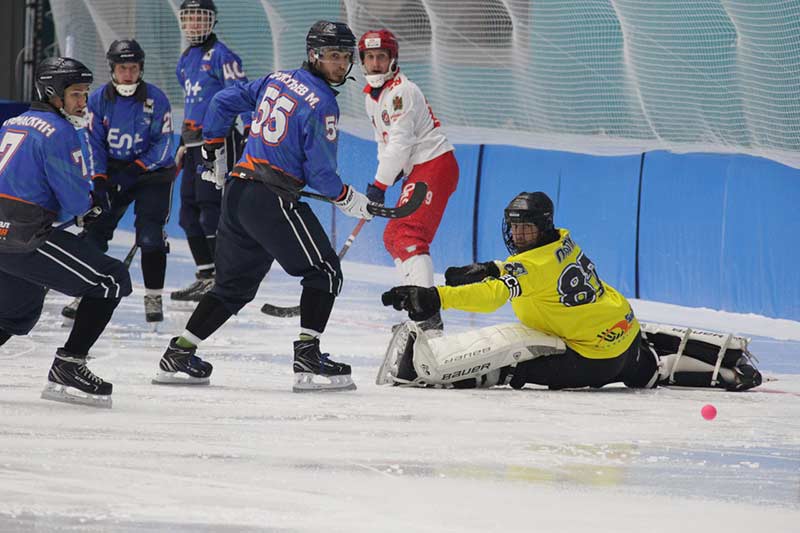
273, 116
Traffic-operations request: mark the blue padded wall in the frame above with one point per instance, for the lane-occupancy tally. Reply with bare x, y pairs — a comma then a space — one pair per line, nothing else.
716, 231
720, 231
595, 198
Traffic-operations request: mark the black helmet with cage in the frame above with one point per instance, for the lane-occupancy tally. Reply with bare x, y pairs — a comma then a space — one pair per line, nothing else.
529, 208
197, 18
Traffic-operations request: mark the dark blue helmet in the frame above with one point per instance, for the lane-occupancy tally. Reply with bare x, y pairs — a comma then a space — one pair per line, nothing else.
55, 74
324, 34
125, 51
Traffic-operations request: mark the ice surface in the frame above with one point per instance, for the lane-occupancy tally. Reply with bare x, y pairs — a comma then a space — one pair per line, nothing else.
246, 454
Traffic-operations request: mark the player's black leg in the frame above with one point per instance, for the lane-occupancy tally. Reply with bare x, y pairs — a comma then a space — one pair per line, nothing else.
152, 210
196, 235
69, 265
241, 266
4, 337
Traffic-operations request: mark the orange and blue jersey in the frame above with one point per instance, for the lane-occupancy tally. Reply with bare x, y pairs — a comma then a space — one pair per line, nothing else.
136, 128
42, 169
202, 72
293, 135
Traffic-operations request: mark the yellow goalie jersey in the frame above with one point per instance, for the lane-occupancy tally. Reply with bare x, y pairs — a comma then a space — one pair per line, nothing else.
555, 289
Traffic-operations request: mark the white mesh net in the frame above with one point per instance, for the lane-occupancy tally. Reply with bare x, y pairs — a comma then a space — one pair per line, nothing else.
591, 76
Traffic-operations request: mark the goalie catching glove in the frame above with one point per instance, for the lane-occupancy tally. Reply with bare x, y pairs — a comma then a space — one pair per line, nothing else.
215, 162
420, 302
474, 273
353, 203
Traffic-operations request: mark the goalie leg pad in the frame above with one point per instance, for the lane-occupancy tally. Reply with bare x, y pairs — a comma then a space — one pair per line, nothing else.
449, 359
697, 358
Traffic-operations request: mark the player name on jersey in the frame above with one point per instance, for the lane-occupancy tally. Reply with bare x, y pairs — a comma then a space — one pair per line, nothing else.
297, 87
32, 122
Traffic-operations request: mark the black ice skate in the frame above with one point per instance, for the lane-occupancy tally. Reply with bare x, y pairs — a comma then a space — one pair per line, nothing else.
180, 366
310, 362
153, 309
70, 381
746, 376
195, 291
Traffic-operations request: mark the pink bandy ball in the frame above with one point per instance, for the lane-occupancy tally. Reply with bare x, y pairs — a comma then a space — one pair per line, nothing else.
709, 412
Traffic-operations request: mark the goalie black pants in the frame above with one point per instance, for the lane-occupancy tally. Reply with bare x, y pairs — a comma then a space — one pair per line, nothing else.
571, 370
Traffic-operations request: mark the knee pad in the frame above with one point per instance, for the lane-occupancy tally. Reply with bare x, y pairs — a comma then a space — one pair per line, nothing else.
326, 278
115, 283
151, 237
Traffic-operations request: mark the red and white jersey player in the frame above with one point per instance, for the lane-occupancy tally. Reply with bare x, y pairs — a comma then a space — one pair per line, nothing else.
411, 143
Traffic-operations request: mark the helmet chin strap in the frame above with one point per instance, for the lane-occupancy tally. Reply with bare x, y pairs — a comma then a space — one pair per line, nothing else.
76, 121
125, 89
377, 81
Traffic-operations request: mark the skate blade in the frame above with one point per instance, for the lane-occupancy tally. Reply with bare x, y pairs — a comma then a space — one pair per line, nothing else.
304, 382
178, 378
393, 352
62, 393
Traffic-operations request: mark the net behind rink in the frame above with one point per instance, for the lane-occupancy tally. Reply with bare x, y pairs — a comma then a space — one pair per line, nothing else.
591, 76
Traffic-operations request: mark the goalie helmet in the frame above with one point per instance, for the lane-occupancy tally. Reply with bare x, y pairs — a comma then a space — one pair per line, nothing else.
381, 39
125, 51
529, 208
197, 18
336, 35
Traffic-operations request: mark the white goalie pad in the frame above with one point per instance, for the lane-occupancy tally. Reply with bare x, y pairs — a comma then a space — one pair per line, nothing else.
450, 358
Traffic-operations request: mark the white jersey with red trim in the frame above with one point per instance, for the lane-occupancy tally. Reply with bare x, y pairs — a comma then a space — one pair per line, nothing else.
406, 129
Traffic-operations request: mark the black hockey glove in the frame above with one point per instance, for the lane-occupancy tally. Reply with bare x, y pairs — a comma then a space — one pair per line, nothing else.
376, 194
474, 273
126, 177
101, 193
420, 302
209, 152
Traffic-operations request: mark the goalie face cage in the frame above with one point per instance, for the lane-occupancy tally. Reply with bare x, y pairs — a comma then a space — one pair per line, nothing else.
197, 24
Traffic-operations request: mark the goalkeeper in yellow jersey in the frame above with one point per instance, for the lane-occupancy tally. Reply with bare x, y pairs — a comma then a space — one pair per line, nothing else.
574, 331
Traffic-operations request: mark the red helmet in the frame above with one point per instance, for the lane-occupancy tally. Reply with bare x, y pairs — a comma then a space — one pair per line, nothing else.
382, 38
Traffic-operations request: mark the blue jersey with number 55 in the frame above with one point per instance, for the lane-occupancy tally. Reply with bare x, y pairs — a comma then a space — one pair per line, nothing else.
293, 137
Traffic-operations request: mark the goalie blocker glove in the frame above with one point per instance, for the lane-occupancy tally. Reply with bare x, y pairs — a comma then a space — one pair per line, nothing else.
421, 302
474, 273
353, 203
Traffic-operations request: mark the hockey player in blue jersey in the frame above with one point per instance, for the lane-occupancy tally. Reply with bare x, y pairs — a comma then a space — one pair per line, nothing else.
205, 67
292, 144
132, 151
42, 175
